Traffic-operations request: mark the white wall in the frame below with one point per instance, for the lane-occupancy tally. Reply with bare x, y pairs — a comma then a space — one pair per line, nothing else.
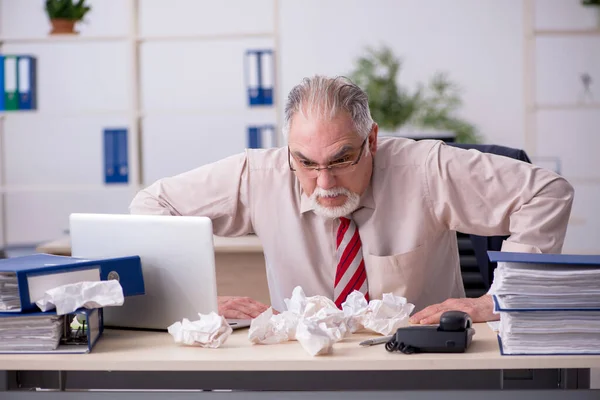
192, 90
479, 43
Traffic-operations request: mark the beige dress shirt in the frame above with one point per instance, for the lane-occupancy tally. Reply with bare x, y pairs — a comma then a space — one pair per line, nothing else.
420, 194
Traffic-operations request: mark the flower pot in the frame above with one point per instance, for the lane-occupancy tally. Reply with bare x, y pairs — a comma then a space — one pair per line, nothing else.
63, 26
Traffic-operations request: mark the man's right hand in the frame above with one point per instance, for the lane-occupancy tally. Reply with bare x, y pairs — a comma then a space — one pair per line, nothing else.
240, 307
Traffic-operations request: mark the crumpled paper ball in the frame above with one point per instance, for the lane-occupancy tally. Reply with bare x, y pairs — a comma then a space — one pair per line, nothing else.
70, 297
316, 323
383, 316
271, 329
211, 331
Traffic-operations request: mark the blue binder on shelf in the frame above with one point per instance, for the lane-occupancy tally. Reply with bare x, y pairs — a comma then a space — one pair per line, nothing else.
26, 87
25, 279
260, 77
116, 165
2, 107
261, 137
74, 337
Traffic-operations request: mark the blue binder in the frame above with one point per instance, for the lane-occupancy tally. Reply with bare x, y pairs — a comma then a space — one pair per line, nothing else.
536, 258
116, 164
2, 107
260, 77
80, 341
36, 273
260, 137
26, 86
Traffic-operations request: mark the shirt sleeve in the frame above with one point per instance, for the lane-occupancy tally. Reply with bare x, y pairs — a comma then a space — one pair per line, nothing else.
218, 191
492, 195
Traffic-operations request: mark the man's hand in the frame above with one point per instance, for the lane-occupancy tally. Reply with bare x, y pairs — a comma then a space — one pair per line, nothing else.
479, 309
240, 307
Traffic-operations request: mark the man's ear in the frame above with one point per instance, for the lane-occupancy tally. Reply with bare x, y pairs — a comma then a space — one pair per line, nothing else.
373, 138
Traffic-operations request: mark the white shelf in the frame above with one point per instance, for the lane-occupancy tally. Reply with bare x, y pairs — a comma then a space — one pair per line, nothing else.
202, 111
574, 106
147, 38
63, 114
66, 188
566, 32
61, 39
223, 36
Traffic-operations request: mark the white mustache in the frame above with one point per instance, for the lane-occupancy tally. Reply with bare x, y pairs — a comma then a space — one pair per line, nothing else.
330, 192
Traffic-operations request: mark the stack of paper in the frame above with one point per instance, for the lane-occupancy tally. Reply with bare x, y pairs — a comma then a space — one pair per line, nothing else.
9, 292
548, 303
30, 333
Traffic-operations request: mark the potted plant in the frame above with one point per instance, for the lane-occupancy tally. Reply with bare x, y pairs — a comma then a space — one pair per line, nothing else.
431, 107
64, 14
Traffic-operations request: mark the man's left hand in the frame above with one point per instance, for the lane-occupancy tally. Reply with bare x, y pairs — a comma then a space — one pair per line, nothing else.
479, 309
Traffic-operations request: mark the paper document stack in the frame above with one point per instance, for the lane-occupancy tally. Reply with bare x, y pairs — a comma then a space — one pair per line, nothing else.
47, 332
9, 292
548, 303
30, 332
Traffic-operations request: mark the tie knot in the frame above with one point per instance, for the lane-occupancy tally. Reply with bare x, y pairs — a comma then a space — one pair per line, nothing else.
344, 220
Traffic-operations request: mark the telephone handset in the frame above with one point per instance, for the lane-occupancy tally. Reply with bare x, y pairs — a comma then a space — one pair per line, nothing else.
452, 335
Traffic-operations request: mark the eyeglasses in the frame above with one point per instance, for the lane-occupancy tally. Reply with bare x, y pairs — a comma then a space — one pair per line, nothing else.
336, 168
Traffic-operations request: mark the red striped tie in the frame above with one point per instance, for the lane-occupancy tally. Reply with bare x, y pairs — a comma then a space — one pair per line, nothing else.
350, 274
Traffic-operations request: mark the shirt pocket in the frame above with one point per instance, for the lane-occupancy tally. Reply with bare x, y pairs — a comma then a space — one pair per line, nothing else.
402, 274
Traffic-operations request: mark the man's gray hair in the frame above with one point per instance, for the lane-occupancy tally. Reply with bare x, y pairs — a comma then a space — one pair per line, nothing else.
324, 98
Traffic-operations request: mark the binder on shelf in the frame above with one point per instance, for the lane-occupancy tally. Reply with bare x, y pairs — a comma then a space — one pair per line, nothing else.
261, 137
11, 94
25, 279
2, 107
116, 165
260, 73
46, 332
27, 82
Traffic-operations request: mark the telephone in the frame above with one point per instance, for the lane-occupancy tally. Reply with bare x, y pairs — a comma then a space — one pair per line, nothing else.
453, 335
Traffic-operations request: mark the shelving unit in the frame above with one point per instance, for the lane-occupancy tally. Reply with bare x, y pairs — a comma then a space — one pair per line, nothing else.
533, 136
134, 113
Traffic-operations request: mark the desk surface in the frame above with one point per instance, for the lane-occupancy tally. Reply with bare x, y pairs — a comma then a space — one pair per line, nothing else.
242, 244
120, 350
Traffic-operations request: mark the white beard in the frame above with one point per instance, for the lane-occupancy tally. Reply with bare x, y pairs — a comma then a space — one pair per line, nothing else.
351, 204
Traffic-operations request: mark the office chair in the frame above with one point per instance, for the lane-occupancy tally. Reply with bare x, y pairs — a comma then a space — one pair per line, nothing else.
476, 269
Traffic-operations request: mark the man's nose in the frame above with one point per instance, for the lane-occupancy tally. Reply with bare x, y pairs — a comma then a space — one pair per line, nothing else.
325, 179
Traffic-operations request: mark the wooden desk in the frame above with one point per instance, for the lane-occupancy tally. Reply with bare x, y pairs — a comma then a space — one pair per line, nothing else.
123, 357
240, 265
122, 350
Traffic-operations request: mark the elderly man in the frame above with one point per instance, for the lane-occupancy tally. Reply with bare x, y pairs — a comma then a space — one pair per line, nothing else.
340, 209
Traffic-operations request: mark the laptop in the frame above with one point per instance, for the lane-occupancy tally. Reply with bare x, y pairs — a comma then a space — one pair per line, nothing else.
178, 263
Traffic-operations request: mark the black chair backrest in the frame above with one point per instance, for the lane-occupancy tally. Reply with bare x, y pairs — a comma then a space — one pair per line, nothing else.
474, 256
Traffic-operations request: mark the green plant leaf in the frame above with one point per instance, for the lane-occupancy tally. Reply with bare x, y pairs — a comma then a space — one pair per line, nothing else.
431, 106
66, 9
